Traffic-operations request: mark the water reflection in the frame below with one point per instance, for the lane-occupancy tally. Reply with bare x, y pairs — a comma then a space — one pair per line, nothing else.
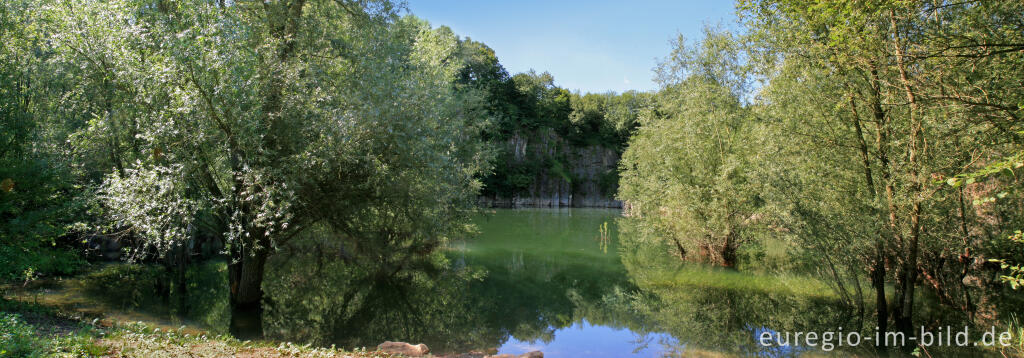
544, 280
723, 310
522, 280
548, 280
585, 339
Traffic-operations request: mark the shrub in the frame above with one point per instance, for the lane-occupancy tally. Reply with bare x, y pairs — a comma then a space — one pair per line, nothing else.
17, 338
38, 204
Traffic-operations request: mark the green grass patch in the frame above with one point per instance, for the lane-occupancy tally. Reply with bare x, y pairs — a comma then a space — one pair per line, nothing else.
702, 276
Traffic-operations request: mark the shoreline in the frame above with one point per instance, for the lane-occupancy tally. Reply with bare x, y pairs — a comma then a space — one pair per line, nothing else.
39, 325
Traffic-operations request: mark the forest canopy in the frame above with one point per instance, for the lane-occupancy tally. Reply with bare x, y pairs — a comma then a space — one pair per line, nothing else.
881, 143
875, 144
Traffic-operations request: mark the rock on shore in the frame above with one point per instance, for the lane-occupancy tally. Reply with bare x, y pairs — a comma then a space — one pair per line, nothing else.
403, 348
420, 350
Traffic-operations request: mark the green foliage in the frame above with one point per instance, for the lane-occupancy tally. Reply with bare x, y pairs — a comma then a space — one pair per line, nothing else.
529, 106
35, 217
1011, 251
873, 108
20, 339
17, 338
339, 115
1014, 327
690, 171
39, 198
605, 119
1015, 272
153, 202
82, 343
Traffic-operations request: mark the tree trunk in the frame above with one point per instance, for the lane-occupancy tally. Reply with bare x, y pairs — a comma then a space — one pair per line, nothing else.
965, 258
245, 277
728, 251
881, 304
246, 285
904, 321
879, 268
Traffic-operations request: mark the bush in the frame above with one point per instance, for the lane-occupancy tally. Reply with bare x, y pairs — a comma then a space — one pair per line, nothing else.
19, 261
17, 338
37, 206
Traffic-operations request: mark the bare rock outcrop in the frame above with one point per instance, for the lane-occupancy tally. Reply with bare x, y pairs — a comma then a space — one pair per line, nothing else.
406, 349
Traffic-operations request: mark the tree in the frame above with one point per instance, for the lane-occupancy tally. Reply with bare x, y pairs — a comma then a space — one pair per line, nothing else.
916, 93
689, 171
339, 116
39, 201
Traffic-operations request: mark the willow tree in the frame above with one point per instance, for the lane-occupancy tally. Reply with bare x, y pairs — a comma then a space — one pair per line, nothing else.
899, 95
262, 121
690, 169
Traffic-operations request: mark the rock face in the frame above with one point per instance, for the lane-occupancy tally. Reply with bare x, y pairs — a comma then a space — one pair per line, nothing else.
403, 348
584, 176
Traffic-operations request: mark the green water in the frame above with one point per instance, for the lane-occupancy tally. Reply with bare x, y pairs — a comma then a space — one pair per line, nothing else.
561, 281
528, 275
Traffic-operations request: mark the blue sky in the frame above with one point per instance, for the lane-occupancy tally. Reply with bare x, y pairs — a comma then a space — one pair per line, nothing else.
591, 46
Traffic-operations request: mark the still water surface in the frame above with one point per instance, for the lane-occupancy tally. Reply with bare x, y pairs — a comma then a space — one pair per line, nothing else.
568, 282
569, 252
561, 281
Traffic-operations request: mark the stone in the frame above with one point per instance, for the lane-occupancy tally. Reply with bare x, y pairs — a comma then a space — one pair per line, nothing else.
534, 354
403, 348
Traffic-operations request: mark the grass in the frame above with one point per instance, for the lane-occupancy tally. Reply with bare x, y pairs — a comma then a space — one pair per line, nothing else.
28, 330
717, 278
16, 337
655, 269
1015, 328
32, 330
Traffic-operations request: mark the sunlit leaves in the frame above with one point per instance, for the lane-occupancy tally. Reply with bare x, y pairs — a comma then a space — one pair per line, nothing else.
688, 172
152, 202
255, 123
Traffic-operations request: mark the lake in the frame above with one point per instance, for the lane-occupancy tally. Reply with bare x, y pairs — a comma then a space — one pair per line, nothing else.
567, 282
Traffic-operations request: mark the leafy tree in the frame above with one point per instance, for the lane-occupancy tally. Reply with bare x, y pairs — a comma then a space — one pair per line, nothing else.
339, 116
39, 199
689, 171
530, 108
890, 82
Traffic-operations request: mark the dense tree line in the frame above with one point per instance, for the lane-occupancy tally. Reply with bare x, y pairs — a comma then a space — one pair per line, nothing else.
348, 125
878, 144
531, 105
865, 137
251, 123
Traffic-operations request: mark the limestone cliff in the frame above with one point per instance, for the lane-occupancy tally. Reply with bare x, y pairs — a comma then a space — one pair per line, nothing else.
564, 174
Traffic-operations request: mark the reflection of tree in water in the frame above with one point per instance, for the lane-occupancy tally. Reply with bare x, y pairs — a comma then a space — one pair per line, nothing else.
495, 295
144, 289
349, 305
713, 309
488, 295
